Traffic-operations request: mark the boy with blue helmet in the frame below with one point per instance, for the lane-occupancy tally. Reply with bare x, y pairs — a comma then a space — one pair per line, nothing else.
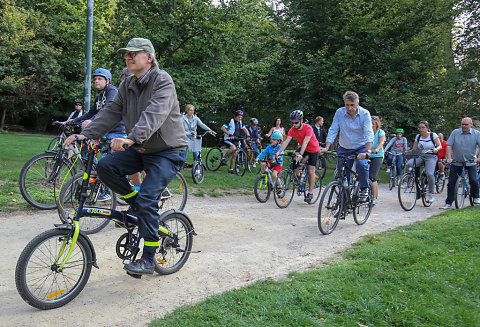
269, 152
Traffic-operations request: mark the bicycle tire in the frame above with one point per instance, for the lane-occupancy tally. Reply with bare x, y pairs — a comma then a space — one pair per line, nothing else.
439, 182
241, 163
393, 176
460, 192
262, 188
330, 207
54, 144
424, 187
175, 194
168, 259
70, 195
322, 165
317, 188
38, 283
198, 172
33, 180
407, 192
362, 208
283, 194
214, 158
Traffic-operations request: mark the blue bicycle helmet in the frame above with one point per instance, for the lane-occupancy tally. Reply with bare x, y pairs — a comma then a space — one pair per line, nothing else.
104, 73
238, 113
276, 136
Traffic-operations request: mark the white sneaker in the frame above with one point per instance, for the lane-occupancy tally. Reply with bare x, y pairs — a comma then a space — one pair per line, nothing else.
476, 201
431, 198
446, 206
374, 202
388, 170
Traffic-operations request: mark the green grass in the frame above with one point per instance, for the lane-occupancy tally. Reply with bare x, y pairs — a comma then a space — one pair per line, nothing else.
425, 274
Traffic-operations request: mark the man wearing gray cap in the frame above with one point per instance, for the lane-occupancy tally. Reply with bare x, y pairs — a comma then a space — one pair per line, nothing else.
148, 105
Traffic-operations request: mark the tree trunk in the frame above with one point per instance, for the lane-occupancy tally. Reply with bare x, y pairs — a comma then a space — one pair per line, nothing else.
4, 114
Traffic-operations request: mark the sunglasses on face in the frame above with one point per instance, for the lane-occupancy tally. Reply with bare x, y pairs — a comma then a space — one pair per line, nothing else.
295, 122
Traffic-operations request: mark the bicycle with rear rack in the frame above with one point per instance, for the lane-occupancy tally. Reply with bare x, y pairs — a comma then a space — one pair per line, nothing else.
198, 166
215, 155
55, 266
343, 196
293, 183
413, 184
42, 175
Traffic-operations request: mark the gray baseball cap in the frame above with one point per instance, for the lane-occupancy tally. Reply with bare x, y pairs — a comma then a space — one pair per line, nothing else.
138, 44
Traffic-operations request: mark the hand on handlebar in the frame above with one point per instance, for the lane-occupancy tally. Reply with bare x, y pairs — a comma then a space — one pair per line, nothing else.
73, 138
298, 157
118, 144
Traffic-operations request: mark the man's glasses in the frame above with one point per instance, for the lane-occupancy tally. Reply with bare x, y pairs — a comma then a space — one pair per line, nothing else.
131, 54
295, 122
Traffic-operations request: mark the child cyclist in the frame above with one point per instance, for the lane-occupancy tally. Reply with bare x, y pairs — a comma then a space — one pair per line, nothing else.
269, 152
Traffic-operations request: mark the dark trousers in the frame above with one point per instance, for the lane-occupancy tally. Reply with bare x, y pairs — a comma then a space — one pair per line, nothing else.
455, 171
160, 168
362, 165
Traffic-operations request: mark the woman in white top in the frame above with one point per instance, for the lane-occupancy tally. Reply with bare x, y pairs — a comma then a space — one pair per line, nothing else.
190, 123
277, 128
427, 140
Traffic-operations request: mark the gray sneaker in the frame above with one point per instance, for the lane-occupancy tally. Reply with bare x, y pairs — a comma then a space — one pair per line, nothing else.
431, 198
446, 206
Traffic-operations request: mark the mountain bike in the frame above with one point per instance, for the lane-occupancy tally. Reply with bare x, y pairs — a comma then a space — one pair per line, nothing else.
42, 175
55, 266
265, 184
215, 155
293, 183
413, 184
341, 197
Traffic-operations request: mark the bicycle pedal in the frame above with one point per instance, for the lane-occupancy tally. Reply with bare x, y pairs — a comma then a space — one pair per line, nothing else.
137, 276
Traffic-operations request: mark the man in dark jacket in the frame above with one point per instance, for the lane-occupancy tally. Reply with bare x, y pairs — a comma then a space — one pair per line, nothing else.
147, 103
320, 131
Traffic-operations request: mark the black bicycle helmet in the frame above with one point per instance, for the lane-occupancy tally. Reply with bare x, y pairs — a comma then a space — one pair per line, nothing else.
238, 113
78, 101
296, 115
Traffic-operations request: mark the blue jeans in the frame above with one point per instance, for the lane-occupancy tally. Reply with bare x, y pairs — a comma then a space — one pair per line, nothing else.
398, 163
160, 167
362, 165
455, 171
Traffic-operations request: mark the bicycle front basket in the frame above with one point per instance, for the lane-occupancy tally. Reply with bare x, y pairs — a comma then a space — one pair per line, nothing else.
195, 145
413, 153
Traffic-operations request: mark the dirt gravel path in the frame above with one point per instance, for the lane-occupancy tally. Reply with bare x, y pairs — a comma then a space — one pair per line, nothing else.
241, 241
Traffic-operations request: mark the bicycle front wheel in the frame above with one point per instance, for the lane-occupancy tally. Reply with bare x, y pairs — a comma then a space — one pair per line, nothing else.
96, 191
262, 188
214, 158
393, 177
198, 172
330, 207
362, 207
175, 194
284, 188
460, 192
55, 143
407, 192
37, 277
241, 163
322, 166
171, 255
424, 187
41, 178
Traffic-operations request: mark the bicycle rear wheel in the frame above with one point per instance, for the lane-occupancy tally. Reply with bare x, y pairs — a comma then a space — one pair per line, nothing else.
70, 196
322, 166
407, 192
40, 179
424, 187
284, 192
262, 188
198, 172
362, 207
393, 177
330, 208
439, 182
37, 278
175, 194
460, 192
241, 163
214, 158
317, 187
171, 256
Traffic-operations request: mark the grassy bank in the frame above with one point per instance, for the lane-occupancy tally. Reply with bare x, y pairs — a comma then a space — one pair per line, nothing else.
425, 274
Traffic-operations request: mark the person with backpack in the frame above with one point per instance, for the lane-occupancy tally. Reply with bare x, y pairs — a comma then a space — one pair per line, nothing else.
427, 140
